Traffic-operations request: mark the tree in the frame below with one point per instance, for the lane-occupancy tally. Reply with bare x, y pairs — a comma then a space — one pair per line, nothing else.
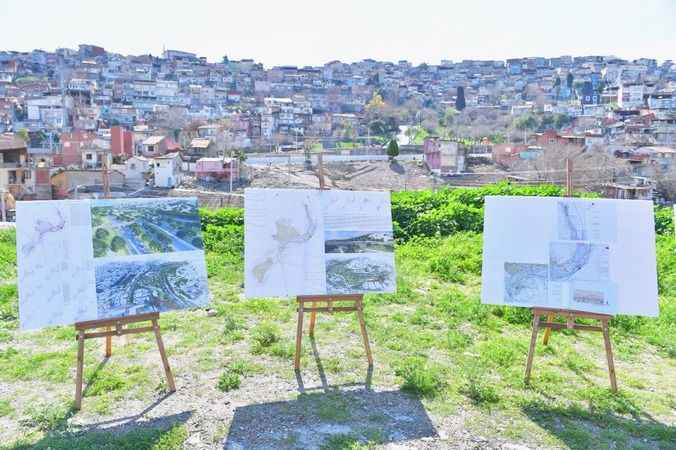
393, 149
591, 169
569, 80
460, 99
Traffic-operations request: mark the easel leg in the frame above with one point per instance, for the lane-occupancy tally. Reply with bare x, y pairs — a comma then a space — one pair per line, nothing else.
609, 355
533, 342
109, 344
163, 354
313, 318
548, 331
299, 336
365, 336
80, 368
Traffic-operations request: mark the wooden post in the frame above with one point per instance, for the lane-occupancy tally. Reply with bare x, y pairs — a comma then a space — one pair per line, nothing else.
299, 336
119, 326
109, 344
364, 335
163, 355
80, 369
313, 319
609, 354
569, 193
533, 343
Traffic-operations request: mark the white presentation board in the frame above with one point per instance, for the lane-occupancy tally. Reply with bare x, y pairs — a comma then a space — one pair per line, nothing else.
594, 255
96, 259
317, 242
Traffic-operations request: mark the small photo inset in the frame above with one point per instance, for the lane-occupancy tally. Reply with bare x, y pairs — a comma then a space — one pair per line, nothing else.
358, 242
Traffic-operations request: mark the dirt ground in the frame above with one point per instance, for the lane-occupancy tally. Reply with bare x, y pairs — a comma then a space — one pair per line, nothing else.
372, 175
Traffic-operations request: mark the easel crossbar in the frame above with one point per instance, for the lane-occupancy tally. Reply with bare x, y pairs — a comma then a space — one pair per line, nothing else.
89, 324
118, 332
563, 326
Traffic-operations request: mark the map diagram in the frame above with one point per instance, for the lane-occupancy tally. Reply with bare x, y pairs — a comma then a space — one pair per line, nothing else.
571, 261
304, 242
55, 264
283, 242
526, 284
580, 220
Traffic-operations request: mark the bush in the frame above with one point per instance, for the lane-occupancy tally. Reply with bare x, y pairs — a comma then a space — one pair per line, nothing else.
420, 378
221, 217
664, 221
265, 334
228, 381
451, 218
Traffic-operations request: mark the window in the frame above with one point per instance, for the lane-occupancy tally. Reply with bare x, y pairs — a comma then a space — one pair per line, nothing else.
132, 166
88, 156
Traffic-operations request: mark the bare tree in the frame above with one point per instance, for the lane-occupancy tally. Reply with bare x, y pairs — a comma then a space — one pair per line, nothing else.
591, 168
665, 182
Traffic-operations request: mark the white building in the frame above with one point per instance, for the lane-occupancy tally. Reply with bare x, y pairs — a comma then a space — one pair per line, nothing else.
136, 170
167, 170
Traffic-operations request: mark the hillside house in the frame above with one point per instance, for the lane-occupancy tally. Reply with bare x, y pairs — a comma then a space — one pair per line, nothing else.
443, 157
157, 146
167, 170
223, 169
137, 170
15, 172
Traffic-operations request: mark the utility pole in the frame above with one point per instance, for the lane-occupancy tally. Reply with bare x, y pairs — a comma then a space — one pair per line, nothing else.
105, 177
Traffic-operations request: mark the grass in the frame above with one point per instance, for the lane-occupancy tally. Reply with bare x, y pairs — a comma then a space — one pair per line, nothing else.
432, 339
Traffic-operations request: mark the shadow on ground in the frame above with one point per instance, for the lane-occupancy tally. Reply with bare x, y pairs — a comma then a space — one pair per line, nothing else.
325, 416
579, 427
132, 432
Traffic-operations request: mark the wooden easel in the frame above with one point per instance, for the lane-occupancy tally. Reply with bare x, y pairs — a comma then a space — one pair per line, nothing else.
333, 303
116, 327
570, 316
119, 326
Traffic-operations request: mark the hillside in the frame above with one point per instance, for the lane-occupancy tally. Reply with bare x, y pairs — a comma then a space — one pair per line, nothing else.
448, 371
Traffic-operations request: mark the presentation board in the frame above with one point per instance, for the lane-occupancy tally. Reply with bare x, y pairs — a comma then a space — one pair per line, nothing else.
593, 255
97, 259
317, 242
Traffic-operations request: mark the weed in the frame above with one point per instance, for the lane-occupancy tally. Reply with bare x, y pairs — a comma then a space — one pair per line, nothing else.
5, 408
265, 334
420, 378
229, 381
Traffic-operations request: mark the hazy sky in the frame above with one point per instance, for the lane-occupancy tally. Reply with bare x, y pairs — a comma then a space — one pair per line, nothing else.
316, 31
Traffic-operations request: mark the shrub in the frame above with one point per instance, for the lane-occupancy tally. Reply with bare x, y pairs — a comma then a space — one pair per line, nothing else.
451, 218
420, 378
221, 217
228, 381
265, 334
664, 221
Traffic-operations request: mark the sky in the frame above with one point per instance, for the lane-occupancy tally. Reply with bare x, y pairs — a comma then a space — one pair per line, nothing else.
313, 32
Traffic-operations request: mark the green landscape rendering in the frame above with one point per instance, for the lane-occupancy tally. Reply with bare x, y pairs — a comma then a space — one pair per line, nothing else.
140, 226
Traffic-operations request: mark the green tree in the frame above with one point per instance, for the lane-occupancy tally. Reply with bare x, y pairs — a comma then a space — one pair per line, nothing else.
393, 149
460, 99
569, 80
117, 244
